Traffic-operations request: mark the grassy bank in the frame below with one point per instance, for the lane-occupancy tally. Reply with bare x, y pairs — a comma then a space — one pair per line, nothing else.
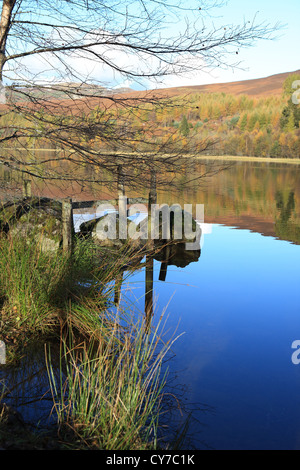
103, 368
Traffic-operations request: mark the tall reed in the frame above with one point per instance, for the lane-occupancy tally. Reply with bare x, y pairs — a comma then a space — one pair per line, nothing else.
27, 279
108, 386
109, 396
37, 287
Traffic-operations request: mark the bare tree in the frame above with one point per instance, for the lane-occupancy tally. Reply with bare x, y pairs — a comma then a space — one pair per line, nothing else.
57, 59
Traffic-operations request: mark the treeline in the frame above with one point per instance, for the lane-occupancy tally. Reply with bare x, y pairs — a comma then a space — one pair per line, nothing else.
233, 125
206, 123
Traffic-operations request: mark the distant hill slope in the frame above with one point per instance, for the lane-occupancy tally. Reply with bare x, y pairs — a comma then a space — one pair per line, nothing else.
259, 87
63, 92
267, 86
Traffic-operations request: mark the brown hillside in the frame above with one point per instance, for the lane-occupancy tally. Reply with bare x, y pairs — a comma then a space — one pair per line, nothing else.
267, 86
260, 87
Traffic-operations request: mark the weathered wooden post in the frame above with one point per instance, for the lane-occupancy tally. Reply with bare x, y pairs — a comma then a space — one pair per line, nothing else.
151, 200
122, 204
152, 193
26, 188
121, 185
67, 225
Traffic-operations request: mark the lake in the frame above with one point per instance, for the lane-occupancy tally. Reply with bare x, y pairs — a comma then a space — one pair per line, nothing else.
235, 308
238, 307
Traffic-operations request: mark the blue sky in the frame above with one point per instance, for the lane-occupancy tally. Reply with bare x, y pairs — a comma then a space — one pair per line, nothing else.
268, 57
264, 58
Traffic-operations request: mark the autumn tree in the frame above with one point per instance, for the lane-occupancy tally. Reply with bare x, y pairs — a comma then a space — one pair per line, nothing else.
243, 122
184, 127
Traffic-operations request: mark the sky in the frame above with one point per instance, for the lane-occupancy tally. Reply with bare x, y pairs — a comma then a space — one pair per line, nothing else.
264, 58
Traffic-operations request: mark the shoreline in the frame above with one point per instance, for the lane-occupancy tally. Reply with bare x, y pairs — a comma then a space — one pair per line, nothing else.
295, 161
239, 158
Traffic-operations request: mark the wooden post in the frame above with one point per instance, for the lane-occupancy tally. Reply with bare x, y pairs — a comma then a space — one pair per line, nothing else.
122, 205
149, 259
26, 188
121, 186
151, 200
67, 224
152, 193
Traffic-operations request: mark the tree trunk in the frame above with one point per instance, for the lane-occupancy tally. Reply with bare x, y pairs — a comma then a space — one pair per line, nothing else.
5, 21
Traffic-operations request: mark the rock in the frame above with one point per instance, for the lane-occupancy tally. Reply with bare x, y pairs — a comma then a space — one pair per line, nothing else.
34, 219
105, 230
175, 225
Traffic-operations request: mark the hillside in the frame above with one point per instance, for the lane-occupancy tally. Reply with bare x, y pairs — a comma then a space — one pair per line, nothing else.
62, 91
246, 118
268, 86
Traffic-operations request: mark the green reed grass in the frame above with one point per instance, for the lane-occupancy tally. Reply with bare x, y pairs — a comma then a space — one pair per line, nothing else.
109, 397
27, 280
109, 385
39, 289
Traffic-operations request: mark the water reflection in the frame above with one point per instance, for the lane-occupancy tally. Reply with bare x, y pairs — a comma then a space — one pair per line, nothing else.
238, 307
149, 271
171, 254
175, 255
285, 227
245, 195
26, 386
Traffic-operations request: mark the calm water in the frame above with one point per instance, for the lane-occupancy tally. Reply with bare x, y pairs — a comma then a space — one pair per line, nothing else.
239, 309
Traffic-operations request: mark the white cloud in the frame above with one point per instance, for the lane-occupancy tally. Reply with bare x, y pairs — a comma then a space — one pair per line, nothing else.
104, 64
87, 66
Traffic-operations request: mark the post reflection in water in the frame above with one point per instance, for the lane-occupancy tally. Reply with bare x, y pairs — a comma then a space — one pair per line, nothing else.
168, 255
118, 285
164, 265
149, 290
